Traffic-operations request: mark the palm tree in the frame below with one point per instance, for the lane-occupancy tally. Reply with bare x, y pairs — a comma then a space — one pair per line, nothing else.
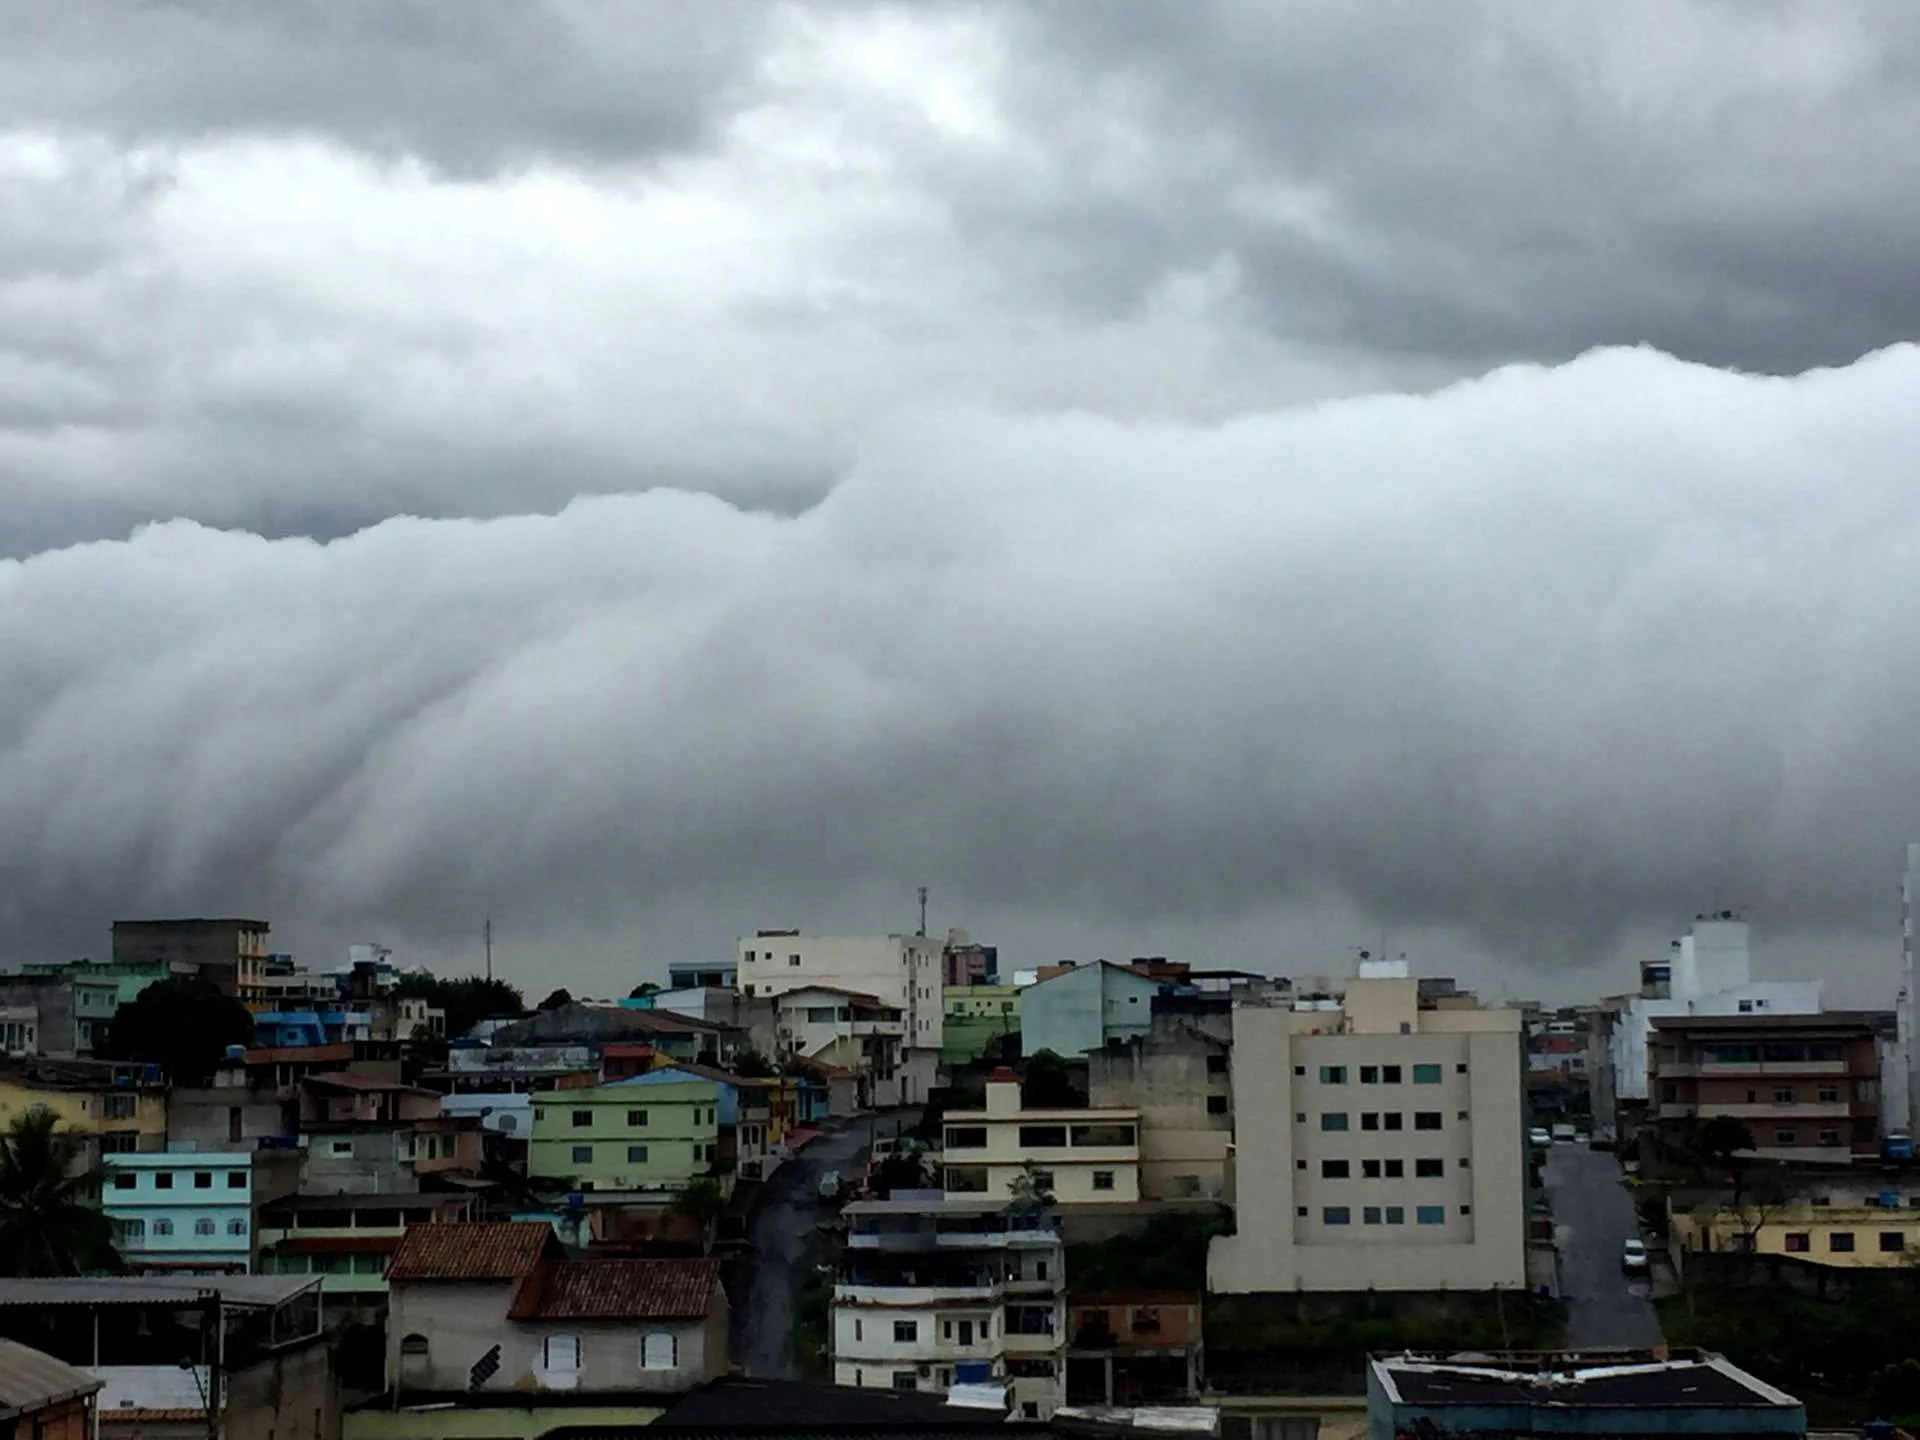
51, 1222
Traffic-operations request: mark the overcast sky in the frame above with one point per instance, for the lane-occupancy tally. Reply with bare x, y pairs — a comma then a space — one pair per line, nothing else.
1231, 480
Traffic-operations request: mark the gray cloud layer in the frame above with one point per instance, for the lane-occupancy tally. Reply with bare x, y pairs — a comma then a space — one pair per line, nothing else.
1531, 660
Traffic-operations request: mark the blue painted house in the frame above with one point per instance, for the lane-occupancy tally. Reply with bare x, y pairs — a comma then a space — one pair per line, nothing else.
182, 1210
1084, 1008
285, 1029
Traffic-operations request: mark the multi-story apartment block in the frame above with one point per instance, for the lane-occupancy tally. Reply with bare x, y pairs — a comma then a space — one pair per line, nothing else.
1136, 1348
121, 1107
1080, 1157
231, 953
347, 1241
72, 1010
365, 1134
1178, 1077
900, 971
20, 1030
1382, 1137
186, 1211
1806, 1086
656, 1131
936, 1291
857, 1032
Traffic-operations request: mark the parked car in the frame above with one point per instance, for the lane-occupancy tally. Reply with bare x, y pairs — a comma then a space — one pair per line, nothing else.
1563, 1132
1633, 1257
1539, 1137
1602, 1139
830, 1187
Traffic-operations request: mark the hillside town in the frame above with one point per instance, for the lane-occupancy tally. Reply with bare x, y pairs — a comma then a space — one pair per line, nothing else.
247, 1196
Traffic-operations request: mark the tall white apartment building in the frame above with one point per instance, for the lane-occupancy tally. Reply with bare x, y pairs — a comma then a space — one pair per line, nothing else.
937, 1292
903, 971
1384, 1150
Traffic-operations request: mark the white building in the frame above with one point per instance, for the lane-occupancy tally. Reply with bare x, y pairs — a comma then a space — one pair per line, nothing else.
902, 971
1377, 1144
855, 1032
936, 1292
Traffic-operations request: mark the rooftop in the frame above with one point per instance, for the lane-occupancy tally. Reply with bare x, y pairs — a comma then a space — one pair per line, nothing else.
618, 1290
1825, 1020
945, 1205
738, 1404
32, 1380
365, 1084
1688, 1379
238, 1290
472, 1250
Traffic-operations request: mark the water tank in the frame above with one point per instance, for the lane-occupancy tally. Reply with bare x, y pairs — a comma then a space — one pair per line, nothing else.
972, 1372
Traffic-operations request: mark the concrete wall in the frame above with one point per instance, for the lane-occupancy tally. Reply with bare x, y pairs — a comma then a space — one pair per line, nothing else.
292, 1392
527, 1421
53, 997
1179, 1081
901, 970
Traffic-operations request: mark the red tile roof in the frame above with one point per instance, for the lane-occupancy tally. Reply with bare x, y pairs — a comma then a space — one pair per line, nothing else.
617, 1290
472, 1250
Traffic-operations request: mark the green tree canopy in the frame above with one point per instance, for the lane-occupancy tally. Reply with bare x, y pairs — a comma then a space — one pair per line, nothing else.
1047, 1083
751, 1065
51, 1222
182, 1024
556, 999
467, 1000
701, 1201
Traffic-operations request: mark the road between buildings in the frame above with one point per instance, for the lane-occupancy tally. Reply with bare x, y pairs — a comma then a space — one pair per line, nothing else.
783, 1240
1593, 1217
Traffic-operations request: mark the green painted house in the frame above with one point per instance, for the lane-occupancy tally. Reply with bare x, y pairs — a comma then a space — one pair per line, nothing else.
976, 1014
656, 1131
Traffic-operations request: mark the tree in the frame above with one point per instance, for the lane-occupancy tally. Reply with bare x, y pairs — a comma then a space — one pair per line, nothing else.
1048, 1084
423, 1051
751, 1065
467, 1001
51, 1222
643, 990
1032, 1188
1896, 1391
183, 1024
902, 1169
554, 1001
701, 1202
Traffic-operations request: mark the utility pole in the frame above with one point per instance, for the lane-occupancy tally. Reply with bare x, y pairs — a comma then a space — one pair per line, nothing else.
923, 912
486, 938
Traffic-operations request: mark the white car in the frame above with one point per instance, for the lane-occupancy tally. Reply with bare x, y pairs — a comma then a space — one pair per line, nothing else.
1539, 1137
1633, 1257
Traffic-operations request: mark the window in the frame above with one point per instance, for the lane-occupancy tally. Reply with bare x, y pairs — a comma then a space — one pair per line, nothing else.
163, 1227
1043, 1179
1389, 1074
1301, 1212
1333, 1120
1299, 1069
236, 1180
1798, 1242
1369, 1169
340, 1147
163, 1180
133, 1229
1429, 1169
1043, 1137
560, 1353
1333, 1169
583, 1118
203, 1179
1829, 1137
1829, 1094
659, 1350
236, 1227
1426, 1074
904, 1380
1333, 1074
1101, 1135
1893, 1240
1430, 1214
123, 1181
1840, 1241
1299, 1164
1369, 1120
1461, 1068
1103, 1179
414, 1347
1369, 1074
1369, 1214
906, 1332
1396, 1169
967, 1137
1783, 1094
1426, 1119
793, 959
636, 1119
1390, 1120
1396, 1215
583, 1154
636, 1154
1785, 1135
203, 1226
1746, 1007
1216, 1104
1216, 1064
118, 1107
1466, 1209
1336, 1215
123, 1142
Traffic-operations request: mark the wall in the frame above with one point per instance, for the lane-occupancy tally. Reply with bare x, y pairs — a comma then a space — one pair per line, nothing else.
1179, 1082
54, 998
223, 1117
1080, 1009
471, 1421
134, 1196
680, 1133
901, 970
1010, 1143
290, 1393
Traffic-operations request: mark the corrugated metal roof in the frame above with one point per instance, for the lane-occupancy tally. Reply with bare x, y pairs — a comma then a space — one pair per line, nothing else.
618, 1290
150, 1391
156, 1289
471, 1250
32, 1380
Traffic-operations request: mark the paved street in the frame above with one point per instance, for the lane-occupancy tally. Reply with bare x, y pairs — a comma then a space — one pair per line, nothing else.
1592, 1216
783, 1241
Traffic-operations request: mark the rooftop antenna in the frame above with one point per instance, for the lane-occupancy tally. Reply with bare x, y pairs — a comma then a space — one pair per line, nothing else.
486, 939
923, 912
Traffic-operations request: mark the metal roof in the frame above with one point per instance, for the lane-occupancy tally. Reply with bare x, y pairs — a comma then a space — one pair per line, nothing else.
32, 1380
262, 1290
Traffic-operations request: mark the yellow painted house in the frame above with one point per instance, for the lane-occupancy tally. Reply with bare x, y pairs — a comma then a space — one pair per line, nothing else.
118, 1104
1844, 1236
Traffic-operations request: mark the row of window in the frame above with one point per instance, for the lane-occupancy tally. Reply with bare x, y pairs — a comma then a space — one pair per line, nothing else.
636, 1119
1049, 1137
163, 1179
138, 1229
1841, 1241
566, 1353
637, 1154
1428, 1169
1335, 1120
1423, 1074
1385, 1214
323, 1264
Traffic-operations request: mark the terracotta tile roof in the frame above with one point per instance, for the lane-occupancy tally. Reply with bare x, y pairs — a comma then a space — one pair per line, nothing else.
472, 1250
617, 1290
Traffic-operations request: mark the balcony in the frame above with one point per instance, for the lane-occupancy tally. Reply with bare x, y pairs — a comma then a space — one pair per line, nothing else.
925, 1297
1784, 1112
1016, 1344
1742, 1069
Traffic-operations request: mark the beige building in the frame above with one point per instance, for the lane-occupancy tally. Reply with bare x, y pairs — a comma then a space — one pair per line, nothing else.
1385, 1148
1179, 1079
1082, 1157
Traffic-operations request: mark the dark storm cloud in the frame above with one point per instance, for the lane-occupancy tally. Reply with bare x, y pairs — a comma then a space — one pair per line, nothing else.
1531, 661
470, 87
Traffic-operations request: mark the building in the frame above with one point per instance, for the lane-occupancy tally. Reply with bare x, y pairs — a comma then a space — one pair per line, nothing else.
19, 1030
346, 1241
1806, 1086
1385, 1145
964, 964
853, 1031
498, 1307
187, 1355
42, 1398
703, 975
657, 1131
189, 1211
71, 1011
1832, 1225
1080, 1157
128, 977
1689, 1392
900, 971
677, 1037
230, 953
1138, 1348
1085, 1007
122, 1107
937, 1291
364, 1134
1179, 1079
978, 1016
319, 1025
